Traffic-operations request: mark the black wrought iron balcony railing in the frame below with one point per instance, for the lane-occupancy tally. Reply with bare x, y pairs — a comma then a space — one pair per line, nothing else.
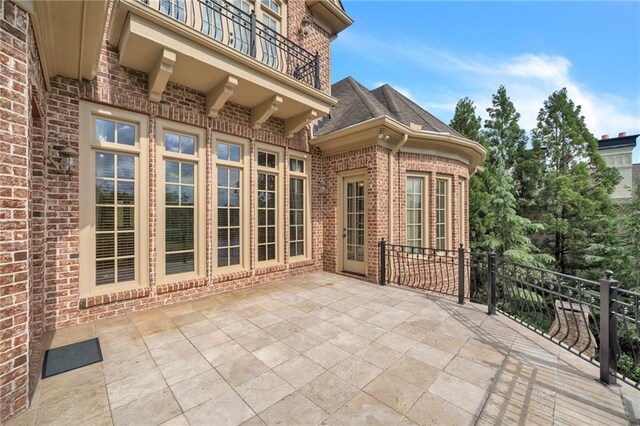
240, 30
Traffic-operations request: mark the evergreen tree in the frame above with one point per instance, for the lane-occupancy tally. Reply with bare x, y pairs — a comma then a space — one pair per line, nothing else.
628, 272
508, 233
468, 124
505, 138
574, 202
493, 220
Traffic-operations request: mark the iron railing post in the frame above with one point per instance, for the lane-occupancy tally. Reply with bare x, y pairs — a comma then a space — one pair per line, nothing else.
461, 274
253, 36
316, 74
383, 264
491, 283
608, 329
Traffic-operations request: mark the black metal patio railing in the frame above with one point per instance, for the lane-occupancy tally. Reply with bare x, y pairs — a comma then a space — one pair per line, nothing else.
239, 29
565, 309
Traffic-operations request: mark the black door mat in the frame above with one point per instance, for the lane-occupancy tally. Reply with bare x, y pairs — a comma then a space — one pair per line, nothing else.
70, 357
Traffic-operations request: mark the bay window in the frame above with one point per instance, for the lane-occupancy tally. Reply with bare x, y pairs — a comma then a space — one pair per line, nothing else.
416, 211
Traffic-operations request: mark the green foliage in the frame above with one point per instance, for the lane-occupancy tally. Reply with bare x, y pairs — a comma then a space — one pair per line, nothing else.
494, 222
628, 272
505, 138
507, 233
573, 202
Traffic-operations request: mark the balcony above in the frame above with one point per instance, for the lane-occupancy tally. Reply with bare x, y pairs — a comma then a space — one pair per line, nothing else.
219, 50
330, 14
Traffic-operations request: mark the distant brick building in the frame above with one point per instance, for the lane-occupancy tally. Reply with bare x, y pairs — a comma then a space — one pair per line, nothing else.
158, 151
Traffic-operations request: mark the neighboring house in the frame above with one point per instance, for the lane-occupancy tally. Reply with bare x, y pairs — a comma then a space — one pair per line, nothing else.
158, 151
618, 152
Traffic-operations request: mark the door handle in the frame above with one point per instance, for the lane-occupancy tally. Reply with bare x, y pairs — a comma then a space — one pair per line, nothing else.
344, 233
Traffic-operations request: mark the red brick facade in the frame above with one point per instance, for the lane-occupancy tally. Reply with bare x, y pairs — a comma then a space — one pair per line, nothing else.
40, 213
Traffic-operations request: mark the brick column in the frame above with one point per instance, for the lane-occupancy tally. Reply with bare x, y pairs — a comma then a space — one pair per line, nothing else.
14, 206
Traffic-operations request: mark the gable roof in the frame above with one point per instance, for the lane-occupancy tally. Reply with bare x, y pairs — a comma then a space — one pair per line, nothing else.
357, 104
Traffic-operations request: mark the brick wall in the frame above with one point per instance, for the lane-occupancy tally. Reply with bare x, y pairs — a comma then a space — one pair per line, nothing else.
127, 89
375, 160
21, 209
316, 41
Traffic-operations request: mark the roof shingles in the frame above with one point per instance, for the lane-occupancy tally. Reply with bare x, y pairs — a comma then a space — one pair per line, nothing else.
357, 104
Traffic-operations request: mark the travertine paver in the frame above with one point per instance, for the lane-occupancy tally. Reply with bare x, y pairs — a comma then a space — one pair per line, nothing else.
324, 349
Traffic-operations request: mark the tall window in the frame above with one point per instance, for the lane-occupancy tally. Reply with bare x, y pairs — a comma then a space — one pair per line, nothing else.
229, 204
113, 212
174, 8
415, 211
297, 208
442, 200
211, 18
181, 202
268, 201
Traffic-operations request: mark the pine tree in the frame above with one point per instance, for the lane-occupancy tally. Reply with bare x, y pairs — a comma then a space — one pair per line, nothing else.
508, 233
629, 271
506, 139
574, 202
468, 124
493, 220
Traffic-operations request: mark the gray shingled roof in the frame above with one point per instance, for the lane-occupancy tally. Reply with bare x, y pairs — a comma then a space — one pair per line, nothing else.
357, 104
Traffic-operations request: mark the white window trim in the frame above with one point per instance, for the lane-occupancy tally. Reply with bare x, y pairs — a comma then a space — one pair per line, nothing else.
448, 210
245, 199
88, 144
306, 204
200, 199
426, 205
279, 171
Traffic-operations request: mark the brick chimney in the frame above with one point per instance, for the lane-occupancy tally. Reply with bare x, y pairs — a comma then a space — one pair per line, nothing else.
604, 137
622, 134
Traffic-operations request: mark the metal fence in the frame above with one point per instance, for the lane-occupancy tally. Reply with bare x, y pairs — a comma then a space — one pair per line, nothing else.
239, 29
565, 309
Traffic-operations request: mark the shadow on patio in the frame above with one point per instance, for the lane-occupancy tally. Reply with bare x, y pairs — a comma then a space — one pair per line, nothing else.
324, 349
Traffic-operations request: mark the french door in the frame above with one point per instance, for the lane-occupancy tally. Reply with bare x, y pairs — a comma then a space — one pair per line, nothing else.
354, 241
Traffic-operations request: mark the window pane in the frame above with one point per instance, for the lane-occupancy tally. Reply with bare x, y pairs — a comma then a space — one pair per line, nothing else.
105, 218
104, 165
172, 173
104, 246
126, 218
234, 153
262, 158
223, 257
177, 263
234, 217
223, 218
126, 192
105, 130
223, 151
171, 142
223, 176
105, 272
172, 195
234, 256
179, 229
126, 134
126, 243
188, 145
126, 269
104, 191
186, 196
187, 173
234, 178
126, 165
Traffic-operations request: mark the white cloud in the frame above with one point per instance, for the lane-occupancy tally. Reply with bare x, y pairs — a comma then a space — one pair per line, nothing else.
529, 78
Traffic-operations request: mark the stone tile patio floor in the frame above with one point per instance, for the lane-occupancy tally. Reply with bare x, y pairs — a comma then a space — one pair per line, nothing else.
324, 349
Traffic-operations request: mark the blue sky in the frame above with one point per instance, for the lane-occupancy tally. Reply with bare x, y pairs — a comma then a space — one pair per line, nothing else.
439, 52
